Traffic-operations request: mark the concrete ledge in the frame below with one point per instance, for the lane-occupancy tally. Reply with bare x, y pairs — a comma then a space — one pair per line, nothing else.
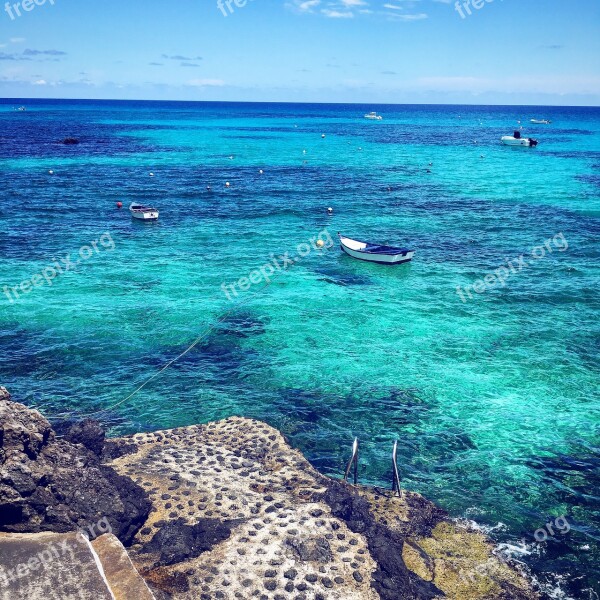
124, 580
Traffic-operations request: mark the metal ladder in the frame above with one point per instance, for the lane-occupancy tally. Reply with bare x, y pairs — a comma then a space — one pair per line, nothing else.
396, 488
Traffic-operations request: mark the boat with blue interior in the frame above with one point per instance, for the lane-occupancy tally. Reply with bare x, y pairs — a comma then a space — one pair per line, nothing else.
376, 253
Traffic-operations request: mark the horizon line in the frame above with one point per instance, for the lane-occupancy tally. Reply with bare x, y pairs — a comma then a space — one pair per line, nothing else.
2, 99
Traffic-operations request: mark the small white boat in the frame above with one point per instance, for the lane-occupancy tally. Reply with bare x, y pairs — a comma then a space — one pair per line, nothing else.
143, 213
21, 109
376, 253
373, 116
517, 140
541, 121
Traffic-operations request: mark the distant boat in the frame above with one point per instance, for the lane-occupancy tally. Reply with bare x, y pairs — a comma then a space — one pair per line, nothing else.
22, 108
541, 121
376, 253
517, 140
143, 213
373, 116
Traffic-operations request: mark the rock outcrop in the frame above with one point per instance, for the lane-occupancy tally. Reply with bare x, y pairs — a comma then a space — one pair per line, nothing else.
237, 513
51, 484
230, 511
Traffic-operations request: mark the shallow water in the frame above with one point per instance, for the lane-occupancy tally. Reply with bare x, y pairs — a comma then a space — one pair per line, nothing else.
494, 401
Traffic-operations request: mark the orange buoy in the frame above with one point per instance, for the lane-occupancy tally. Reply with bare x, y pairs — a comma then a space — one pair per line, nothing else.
119, 205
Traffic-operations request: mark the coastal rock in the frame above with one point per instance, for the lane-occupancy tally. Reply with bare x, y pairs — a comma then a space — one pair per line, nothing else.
290, 532
229, 510
88, 433
51, 484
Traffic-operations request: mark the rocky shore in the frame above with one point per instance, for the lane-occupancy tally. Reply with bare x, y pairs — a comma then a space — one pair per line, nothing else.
228, 510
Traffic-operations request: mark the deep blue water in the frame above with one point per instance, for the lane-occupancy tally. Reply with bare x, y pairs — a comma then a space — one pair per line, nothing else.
494, 400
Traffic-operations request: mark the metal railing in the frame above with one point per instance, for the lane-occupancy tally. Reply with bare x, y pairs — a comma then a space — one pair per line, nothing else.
353, 461
396, 487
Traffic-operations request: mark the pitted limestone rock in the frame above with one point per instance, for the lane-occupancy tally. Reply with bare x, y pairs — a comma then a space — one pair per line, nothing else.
277, 529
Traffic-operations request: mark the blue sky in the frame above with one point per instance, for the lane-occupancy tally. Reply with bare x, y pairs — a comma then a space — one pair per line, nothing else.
396, 51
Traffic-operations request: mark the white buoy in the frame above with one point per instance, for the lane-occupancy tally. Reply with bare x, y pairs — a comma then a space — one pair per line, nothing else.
151, 174
261, 171
330, 210
303, 151
51, 172
323, 136
227, 184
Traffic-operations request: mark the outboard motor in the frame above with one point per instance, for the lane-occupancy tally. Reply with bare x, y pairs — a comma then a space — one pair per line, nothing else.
517, 135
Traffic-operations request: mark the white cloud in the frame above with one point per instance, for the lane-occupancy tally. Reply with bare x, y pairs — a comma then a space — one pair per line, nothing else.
303, 6
337, 14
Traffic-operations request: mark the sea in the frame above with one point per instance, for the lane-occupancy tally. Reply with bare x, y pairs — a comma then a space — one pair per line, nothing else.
480, 357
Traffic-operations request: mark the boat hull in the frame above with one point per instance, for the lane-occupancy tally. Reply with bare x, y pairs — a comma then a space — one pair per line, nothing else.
145, 216
379, 259
509, 140
375, 253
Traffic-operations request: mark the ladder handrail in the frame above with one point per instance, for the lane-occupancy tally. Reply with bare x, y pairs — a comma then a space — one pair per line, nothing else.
396, 482
353, 461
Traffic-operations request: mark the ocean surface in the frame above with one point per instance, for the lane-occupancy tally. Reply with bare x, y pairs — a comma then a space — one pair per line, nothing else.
494, 400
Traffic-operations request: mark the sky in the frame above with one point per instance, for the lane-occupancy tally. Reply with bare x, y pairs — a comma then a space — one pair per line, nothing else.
364, 51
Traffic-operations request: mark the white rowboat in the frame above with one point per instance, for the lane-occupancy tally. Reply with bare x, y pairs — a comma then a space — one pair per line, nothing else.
376, 253
143, 213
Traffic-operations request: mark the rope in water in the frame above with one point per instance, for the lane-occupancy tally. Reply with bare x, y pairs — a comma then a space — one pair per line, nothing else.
172, 362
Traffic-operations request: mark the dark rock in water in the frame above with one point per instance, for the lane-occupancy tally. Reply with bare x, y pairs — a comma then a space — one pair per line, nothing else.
177, 542
70, 141
50, 484
392, 579
88, 433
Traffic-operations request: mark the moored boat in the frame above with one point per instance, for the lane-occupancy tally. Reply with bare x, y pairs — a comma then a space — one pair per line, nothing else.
373, 116
376, 253
143, 213
541, 121
517, 140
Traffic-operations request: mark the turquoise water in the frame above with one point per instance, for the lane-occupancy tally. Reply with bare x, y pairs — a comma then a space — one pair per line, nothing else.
494, 401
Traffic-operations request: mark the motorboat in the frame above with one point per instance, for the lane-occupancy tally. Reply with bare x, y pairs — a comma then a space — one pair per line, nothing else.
376, 253
541, 121
373, 116
517, 140
143, 213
